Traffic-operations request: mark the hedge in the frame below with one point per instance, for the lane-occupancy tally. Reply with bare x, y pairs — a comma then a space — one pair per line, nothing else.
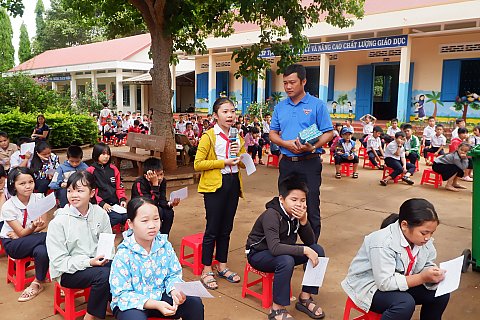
66, 129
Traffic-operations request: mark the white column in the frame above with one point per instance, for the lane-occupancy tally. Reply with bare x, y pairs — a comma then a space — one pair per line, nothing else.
94, 84
133, 97
108, 89
173, 71
404, 82
212, 81
323, 83
119, 89
261, 86
54, 86
142, 98
73, 86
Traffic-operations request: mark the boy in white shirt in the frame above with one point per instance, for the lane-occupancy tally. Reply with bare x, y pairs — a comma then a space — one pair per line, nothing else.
428, 133
393, 129
438, 141
459, 123
395, 159
374, 148
368, 121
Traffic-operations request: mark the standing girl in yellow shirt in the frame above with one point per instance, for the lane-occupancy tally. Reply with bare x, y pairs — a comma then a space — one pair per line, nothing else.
218, 157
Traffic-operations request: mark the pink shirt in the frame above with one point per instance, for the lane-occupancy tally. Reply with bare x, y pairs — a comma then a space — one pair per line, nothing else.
250, 140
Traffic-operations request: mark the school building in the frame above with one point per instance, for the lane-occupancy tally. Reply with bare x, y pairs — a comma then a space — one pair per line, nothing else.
404, 59
119, 68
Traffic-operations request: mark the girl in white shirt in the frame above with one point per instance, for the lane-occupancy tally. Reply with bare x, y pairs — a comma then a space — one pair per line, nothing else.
20, 234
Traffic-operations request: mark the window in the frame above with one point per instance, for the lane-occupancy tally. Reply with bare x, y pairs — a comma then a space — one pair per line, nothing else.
139, 98
80, 89
126, 95
102, 87
458, 77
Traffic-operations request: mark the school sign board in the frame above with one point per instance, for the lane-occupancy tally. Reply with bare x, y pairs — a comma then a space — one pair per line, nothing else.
349, 45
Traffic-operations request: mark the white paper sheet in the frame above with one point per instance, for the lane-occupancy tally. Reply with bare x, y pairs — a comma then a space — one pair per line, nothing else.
193, 289
248, 162
119, 209
180, 193
37, 209
106, 241
27, 147
452, 277
314, 276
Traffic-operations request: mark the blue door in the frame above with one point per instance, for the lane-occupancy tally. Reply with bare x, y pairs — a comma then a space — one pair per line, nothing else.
222, 83
410, 90
268, 84
248, 94
364, 92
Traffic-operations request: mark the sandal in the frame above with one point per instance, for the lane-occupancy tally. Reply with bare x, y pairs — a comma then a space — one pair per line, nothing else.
355, 175
207, 282
30, 292
283, 312
303, 304
383, 182
338, 175
232, 275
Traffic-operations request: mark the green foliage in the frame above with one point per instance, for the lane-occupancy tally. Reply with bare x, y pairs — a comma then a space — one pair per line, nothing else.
434, 97
91, 101
15, 7
66, 128
7, 52
24, 47
259, 110
342, 99
23, 92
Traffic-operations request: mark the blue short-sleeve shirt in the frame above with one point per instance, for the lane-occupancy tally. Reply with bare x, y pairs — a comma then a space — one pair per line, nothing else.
289, 119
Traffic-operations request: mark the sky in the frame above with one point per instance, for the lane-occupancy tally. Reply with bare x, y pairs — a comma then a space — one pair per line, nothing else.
29, 19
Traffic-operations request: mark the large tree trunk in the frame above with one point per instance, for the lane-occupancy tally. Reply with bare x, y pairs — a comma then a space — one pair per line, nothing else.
162, 46
434, 110
465, 111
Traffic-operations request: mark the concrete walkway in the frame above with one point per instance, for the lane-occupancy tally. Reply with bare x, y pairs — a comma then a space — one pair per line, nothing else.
350, 210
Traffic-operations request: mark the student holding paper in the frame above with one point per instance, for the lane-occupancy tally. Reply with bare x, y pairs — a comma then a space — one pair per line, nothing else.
145, 270
20, 234
22, 158
153, 185
44, 164
272, 247
218, 159
72, 241
394, 270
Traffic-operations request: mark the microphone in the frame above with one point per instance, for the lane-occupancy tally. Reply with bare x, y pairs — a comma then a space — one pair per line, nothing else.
233, 137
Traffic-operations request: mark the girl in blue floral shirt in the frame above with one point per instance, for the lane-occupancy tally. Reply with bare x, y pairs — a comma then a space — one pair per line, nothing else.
145, 270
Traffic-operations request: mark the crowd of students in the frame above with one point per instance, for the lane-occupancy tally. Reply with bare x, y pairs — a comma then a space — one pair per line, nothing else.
139, 282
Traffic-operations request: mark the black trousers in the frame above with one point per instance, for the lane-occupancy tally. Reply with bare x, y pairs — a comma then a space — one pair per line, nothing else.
283, 267
220, 207
32, 245
397, 167
166, 215
309, 171
97, 279
428, 150
371, 157
256, 150
447, 170
61, 195
412, 157
339, 159
117, 218
41, 185
191, 309
398, 305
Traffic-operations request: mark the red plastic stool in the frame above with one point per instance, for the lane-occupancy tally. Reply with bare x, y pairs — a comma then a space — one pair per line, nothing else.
431, 177
367, 163
2, 249
347, 169
68, 299
417, 167
193, 241
387, 171
272, 160
16, 272
332, 160
362, 152
266, 296
431, 156
349, 305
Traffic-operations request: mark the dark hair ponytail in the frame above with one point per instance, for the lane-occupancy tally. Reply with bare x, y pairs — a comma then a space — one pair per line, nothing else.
415, 211
37, 163
219, 102
134, 204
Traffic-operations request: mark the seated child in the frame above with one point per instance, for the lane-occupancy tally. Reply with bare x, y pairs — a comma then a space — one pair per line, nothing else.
109, 189
190, 134
368, 122
393, 128
6, 150
452, 165
462, 136
395, 159
474, 139
348, 124
136, 127
412, 144
153, 185
64, 171
374, 148
345, 153
3, 192
72, 240
252, 144
437, 142
459, 123
145, 270
336, 136
44, 164
394, 269
18, 160
428, 133
272, 247
109, 130
20, 235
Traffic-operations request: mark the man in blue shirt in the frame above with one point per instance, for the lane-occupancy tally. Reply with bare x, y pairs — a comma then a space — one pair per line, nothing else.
299, 111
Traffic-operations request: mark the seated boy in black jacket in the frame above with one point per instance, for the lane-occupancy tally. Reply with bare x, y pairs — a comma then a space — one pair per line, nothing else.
271, 247
153, 185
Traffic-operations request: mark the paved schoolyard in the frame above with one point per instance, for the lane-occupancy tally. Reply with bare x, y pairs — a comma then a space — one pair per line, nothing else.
350, 210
